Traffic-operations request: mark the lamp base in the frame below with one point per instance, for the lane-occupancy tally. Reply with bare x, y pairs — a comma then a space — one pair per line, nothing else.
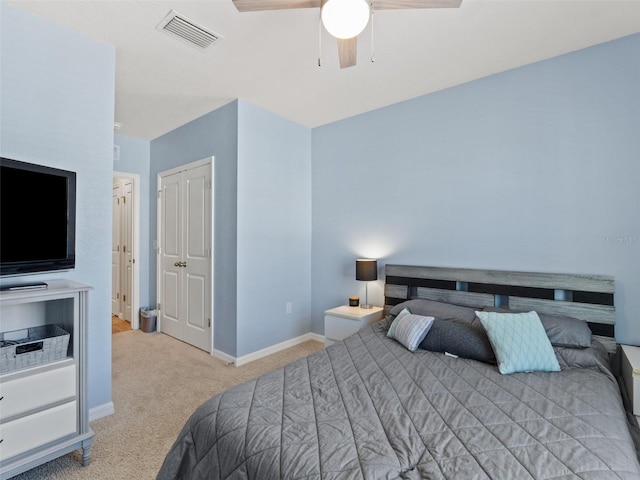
366, 306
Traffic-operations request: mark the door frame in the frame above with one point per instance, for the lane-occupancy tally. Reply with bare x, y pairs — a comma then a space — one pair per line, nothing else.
210, 161
135, 235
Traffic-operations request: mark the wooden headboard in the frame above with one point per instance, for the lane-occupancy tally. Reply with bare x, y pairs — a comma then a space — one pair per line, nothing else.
588, 297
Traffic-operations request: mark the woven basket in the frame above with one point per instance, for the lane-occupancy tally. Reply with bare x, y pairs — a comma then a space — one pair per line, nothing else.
43, 344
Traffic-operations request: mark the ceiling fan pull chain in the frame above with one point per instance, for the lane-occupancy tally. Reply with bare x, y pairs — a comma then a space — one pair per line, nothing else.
320, 40
373, 56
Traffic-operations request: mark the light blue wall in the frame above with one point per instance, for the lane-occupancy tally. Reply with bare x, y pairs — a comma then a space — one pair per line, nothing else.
214, 134
262, 256
274, 229
532, 169
135, 158
57, 101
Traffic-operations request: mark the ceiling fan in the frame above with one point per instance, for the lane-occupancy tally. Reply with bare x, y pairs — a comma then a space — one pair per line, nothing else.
343, 19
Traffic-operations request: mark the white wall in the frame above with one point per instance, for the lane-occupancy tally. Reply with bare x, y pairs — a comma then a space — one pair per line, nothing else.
534, 169
57, 100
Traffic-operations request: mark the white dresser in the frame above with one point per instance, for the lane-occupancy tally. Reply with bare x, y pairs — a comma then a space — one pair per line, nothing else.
340, 322
43, 407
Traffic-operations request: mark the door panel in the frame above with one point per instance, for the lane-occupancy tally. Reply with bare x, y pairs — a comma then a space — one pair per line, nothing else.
115, 252
170, 231
171, 304
196, 213
171, 217
127, 251
196, 313
185, 255
197, 242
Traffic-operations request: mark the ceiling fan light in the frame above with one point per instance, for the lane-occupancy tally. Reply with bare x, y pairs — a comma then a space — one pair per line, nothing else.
345, 18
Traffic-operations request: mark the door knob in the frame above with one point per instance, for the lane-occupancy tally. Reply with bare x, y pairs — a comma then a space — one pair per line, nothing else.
177, 264
184, 264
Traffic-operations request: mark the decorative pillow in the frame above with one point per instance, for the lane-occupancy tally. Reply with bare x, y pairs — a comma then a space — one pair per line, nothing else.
463, 340
392, 328
411, 329
519, 342
562, 331
443, 311
594, 357
566, 331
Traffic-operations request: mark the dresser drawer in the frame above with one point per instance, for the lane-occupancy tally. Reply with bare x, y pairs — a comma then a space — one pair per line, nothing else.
37, 429
340, 322
338, 328
37, 391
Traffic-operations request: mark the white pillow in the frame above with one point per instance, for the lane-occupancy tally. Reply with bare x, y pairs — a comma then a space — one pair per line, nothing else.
411, 329
394, 324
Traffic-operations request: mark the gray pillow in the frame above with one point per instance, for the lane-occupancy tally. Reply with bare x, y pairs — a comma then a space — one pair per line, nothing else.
562, 331
443, 311
461, 339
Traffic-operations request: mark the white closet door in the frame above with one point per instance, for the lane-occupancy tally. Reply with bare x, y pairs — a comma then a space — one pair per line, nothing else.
196, 236
185, 255
115, 253
126, 284
170, 252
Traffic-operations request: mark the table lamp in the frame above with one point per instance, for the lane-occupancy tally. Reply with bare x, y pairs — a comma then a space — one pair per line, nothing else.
366, 271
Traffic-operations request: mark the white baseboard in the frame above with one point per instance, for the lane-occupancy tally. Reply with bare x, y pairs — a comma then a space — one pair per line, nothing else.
101, 411
277, 348
223, 356
316, 337
267, 351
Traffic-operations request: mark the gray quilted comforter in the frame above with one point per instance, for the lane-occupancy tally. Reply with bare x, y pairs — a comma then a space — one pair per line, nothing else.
366, 408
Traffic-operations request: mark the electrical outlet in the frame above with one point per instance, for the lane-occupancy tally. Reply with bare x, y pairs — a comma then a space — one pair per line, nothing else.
288, 307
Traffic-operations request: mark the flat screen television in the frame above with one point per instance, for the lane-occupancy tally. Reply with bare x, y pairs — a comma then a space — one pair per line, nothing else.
37, 218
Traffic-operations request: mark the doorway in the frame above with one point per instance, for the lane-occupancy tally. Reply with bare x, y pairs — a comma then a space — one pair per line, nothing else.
125, 271
185, 253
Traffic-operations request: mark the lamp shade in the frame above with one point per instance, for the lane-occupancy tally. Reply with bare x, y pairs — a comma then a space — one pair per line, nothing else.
366, 269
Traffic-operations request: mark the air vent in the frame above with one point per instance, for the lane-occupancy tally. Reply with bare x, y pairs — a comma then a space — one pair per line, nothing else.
179, 26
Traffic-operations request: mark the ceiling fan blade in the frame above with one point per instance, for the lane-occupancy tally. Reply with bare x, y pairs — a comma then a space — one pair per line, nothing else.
347, 51
257, 5
397, 4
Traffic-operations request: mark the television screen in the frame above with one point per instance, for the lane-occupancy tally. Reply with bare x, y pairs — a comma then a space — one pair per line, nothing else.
37, 218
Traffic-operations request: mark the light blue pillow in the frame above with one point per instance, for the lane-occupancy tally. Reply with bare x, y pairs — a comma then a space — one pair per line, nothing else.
411, 329
519, 342
392, 328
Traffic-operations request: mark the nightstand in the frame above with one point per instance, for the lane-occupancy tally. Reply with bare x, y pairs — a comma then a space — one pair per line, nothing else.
340, 322
631, 376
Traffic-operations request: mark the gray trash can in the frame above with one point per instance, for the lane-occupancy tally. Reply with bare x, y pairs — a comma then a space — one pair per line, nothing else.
147, 320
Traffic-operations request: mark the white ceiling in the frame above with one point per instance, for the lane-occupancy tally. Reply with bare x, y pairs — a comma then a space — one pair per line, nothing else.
270, 58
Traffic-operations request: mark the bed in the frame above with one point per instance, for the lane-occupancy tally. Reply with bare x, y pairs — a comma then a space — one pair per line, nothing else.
369, 407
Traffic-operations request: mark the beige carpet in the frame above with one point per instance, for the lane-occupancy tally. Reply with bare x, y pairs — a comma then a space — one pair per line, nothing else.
157, 383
